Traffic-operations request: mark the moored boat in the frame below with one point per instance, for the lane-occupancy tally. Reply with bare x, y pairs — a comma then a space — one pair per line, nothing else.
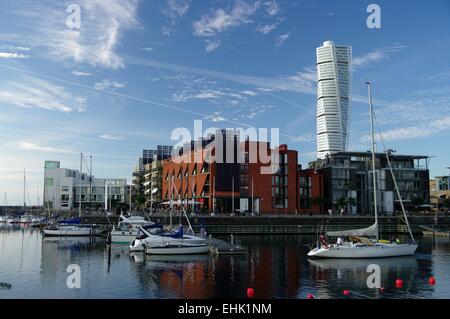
177, 249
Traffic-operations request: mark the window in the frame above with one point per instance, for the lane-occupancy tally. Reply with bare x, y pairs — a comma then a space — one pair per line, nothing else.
48, 181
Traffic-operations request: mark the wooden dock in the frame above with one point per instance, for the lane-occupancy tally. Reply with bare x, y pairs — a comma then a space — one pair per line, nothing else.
221, 247
433, 232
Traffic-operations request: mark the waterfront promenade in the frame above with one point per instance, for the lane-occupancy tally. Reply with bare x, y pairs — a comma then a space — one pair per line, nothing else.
288, 224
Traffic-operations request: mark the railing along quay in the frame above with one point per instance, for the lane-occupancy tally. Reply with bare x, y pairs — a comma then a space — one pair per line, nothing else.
287, 224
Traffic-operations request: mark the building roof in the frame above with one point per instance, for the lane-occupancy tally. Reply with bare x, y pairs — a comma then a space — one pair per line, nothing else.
369, 153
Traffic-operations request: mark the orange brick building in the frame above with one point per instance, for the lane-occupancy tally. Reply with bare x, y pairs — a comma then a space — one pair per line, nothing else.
241, 182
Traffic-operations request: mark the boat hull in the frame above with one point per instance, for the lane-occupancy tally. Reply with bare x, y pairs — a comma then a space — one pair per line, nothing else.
75, 232
375, 251
155, 240
122, 237
177, 250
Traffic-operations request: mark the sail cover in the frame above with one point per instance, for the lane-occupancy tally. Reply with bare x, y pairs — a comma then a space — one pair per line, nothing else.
369, 231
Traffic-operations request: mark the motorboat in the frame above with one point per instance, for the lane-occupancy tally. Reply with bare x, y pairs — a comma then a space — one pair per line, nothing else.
12, 220
365, 243
150, 236
128, 228
25, 219
73, 230
73, 227
181, 248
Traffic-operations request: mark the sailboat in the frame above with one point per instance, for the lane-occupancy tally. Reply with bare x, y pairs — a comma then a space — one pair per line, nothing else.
73, 227
365, 242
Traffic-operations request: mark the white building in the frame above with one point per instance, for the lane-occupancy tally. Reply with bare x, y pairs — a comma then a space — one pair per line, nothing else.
333, 97
62, 189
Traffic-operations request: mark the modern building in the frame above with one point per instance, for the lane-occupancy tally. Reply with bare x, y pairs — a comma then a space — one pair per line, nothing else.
153, 183
440, 191
62, 190
239, 182
161, 152
333, 97
346, 181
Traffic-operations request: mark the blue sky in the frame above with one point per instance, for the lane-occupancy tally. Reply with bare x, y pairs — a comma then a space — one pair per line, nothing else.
136, 70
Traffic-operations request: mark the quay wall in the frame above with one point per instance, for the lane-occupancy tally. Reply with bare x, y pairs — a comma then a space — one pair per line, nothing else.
283, 224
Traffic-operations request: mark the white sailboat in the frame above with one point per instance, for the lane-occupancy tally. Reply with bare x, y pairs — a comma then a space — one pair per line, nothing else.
362, 246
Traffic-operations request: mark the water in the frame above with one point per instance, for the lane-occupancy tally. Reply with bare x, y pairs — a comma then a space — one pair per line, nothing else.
276, 267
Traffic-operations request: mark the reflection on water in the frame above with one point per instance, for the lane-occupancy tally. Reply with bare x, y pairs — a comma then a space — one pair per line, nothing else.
276, 267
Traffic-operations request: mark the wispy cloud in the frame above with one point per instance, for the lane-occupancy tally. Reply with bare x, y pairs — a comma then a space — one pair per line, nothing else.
80, 73
107, 84
219, 21
216, 117
281, 39
412, 132
102, 25
38, 148
14, 48
266, 29
147, 49
212, 45
307, 137
30, 92
111, 137
272, 7
13, 55
283, 83
176, 8
376, 56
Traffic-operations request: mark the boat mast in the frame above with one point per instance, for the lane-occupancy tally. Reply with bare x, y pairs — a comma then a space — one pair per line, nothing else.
373, 155
24, 181
399, 197
81, 177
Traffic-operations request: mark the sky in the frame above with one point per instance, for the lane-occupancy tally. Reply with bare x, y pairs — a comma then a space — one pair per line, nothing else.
127, 73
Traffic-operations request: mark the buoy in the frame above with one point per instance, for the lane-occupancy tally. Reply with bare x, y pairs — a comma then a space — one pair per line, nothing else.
250, 292
382, 289
399, 283
346, 292
432, 281
310, 296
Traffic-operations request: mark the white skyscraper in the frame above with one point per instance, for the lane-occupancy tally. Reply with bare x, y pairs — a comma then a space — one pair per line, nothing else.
333, 97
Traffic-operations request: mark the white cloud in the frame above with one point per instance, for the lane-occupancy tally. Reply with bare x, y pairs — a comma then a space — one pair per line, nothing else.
307, 137
107, 84
273, 8
177, 8
35, 93
216, 117
36, 147
13, 55
375, 56
264, 84
102, 25
266, 29
15, 48
111, 137
219, 21
80, 73
248, 92
148, 49
212, 45
282, 38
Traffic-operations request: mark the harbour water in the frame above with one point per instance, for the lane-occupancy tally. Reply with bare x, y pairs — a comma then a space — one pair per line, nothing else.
275, 266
